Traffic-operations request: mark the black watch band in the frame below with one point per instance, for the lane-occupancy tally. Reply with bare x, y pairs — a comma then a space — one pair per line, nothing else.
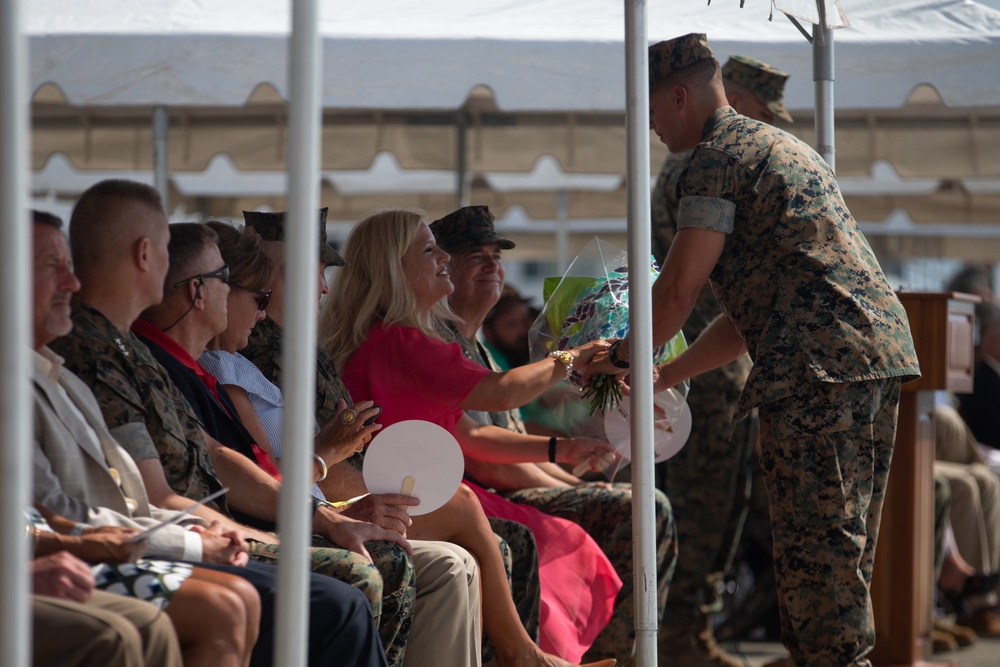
613, 357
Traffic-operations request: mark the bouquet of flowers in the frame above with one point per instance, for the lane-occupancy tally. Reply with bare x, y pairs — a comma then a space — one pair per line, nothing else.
588, 303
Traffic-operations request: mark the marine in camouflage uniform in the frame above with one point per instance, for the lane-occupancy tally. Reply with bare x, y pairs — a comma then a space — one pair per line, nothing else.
761, 216
605, 513
147, 414
515, 541
708, 482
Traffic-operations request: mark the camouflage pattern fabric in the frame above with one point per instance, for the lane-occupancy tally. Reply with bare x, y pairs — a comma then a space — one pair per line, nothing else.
761, 79
131, 387
264, 351
468, 228
520, 555
830, 343
709, 481
796, 277
271, 227
668, 57
825, 455
606, 515
389, 584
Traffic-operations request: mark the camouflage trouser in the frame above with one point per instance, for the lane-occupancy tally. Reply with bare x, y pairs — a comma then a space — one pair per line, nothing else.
708, 483
520, 560
606, 514
389, 584
825, 457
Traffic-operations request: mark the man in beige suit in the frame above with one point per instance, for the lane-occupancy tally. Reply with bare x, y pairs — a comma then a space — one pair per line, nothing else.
80, 471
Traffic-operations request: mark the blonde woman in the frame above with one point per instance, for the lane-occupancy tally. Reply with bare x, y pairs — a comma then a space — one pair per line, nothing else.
381, 324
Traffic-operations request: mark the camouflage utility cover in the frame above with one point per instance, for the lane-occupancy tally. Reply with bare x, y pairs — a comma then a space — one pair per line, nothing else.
666, 58
271, 227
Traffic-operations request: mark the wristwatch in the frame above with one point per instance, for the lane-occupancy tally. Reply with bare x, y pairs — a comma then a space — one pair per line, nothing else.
613, 357
564, 357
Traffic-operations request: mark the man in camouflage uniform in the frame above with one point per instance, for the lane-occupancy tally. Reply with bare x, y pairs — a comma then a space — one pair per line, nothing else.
605, 513
708, 482
516, 543
801, 291
119, 239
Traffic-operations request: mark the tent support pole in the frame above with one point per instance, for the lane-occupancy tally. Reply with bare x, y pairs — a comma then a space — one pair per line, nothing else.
823, 68
161, 131
302, 262
640, 332
15, 388
462, 190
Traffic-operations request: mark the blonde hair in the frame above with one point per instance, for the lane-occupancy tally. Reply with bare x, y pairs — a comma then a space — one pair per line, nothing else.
372, 286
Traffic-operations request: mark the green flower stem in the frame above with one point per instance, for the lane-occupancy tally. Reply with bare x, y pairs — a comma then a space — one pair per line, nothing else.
604, 392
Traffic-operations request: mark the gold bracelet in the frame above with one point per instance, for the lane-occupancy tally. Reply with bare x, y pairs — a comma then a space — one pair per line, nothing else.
323, 470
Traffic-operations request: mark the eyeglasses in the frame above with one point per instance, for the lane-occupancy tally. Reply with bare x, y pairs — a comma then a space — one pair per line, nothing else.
222, 274
263, 295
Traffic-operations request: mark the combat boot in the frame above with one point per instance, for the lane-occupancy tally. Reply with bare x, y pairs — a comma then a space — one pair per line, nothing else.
691, 643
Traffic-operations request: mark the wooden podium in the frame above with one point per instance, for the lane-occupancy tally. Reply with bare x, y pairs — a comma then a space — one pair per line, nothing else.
903, 578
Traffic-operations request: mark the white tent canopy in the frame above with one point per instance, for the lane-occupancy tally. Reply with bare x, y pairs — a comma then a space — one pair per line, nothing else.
542, 55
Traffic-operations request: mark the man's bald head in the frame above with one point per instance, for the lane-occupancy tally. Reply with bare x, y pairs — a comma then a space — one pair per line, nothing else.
109, 218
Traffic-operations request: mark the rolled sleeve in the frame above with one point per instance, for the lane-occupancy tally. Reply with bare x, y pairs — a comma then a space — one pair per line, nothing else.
711, 213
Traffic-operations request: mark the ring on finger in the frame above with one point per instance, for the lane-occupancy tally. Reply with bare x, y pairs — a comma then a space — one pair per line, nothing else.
349, 416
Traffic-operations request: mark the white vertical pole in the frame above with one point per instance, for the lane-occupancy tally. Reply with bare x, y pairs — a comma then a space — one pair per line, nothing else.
15, 337
640, 331
299, 344
160, 131
823, 69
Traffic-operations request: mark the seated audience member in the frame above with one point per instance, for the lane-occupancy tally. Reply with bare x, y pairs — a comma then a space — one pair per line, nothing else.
80, 472
74, 625
975, 511
343, 480
945, 635
259, 402
477, 273
378, 324
178, 330
979, 409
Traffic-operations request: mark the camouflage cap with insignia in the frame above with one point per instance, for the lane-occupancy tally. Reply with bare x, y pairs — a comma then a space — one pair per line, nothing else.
468, 228
764, 81
271, 226
675, 54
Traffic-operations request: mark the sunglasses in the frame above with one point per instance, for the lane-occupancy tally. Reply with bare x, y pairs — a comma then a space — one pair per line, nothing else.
222, 274
263, 296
